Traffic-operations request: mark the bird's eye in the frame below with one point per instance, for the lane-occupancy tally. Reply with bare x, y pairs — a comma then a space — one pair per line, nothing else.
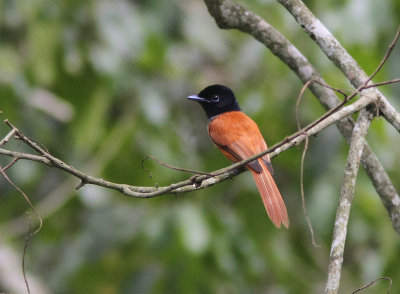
215, 98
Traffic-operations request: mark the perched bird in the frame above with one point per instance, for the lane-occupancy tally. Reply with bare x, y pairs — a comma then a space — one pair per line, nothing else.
237, 136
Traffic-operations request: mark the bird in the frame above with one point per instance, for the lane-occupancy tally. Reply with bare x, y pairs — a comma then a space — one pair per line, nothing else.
238, 137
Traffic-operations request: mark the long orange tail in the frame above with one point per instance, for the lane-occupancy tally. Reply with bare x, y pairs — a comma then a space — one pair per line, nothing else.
271, 197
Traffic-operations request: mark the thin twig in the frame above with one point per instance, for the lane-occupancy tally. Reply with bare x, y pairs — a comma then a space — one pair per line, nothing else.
196, 172
14, 161
340, 91
7, 137
303, 155
382, 83
26, 199
303, 201
30, 233
27, 156
373, 282
27, 239
387, 54
303, 89
332, 110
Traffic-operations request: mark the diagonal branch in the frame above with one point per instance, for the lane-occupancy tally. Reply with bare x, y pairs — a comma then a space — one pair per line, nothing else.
230, 15
7, 137
191, 184
339, 55
346, 197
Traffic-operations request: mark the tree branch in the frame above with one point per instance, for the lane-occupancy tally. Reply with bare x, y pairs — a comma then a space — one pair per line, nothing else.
346, 197
229, 15
199, 182
339, 55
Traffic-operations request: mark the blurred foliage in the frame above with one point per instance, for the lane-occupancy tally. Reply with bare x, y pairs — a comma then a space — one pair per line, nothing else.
102, 84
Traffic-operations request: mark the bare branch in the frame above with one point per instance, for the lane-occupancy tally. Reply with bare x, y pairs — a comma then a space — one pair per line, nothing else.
373, 282
199, 182
383, 83
386, 57
339, 55
7, 137
14, 161
346, 197
27, 156
173, 167
27, 200
303, 200
303, 155
30, 233
27, 239
59, 195
389, 112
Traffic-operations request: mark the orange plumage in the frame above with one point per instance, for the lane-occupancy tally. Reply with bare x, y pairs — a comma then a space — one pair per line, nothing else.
238, 138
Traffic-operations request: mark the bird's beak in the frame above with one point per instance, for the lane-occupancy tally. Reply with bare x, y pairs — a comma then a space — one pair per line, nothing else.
196, 98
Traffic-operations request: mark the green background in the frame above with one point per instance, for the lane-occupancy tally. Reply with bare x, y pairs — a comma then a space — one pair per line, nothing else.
102, 84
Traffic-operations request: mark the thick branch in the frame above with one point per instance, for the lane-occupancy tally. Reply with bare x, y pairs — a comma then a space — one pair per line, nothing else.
229, 15
390, 113
346, 197
379, 178
339, 55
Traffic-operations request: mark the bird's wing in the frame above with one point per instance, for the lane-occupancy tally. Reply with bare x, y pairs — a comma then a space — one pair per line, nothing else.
238, 138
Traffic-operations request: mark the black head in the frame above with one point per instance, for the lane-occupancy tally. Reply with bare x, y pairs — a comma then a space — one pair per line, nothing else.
216, 99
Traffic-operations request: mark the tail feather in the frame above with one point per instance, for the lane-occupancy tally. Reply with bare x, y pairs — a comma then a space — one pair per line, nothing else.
271, 197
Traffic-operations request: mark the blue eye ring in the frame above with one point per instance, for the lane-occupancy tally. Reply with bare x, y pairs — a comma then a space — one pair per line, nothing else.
215, 98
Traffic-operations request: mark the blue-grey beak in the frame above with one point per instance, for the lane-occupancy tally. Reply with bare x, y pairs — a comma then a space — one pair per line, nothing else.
196, 98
